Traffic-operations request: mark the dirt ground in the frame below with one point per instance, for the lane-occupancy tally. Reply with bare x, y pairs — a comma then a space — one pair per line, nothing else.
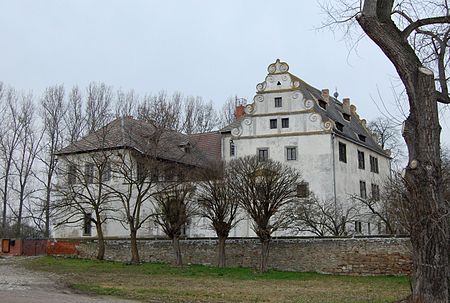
18, 285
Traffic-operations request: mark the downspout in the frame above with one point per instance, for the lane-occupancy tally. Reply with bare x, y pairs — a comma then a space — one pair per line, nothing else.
334, 168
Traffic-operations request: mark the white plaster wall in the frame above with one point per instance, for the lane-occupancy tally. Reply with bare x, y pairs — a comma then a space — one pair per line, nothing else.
348, 176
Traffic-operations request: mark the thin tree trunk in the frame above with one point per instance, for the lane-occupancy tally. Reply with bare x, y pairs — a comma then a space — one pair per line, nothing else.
19, 218
264, 255
47, 205
177, 251
5, 195
101, 242
221, 260
134, 248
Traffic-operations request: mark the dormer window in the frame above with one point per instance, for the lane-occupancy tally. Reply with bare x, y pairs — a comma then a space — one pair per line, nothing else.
362, 138
278, 102
186, 148
346, 116
323, 104
340, 126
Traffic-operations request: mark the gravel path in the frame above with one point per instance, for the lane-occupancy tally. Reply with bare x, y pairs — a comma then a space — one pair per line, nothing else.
19, 285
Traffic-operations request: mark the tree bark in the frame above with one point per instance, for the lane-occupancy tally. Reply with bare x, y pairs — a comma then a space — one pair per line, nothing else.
177, 251
264, 255
134, 248
429, 225
101, 242
222, 260
429, 228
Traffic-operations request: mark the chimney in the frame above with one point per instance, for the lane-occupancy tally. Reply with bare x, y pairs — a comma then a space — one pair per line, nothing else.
325, 94
346, 105
239, 111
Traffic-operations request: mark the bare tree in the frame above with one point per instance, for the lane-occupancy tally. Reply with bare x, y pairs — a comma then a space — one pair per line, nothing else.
323, 217
140, 177
173, 209
162, 111
52, 112
126, 103
267, 191
414, 36
390, 206
74, 120
218, 204
98, 106
228, 110
199, 116
11, 128
388, 136
28, 148
84, 196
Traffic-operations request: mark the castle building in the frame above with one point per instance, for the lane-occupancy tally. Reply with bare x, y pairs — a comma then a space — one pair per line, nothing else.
289, 121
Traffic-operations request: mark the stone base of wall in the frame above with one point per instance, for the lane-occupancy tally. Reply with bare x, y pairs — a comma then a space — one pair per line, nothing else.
356, 256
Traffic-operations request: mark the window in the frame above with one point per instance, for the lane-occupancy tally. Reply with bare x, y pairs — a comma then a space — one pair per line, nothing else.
346, 116
342, 152
142, 172
273, 123
362, 189
87, 226
340, 126
323, 104
285, 123
232, 149
374, 164
361, 160
72, 174
106, 173
358, 226
155, 175
89, 173
278, 83
303, 190
291, 153
263, 154
362, 138
368, 228
278, 102
375, 192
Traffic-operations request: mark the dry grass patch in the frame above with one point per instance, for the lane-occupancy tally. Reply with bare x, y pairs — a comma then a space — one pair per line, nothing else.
162, 283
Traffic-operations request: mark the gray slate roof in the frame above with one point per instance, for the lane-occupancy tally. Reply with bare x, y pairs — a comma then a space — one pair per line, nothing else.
146, 139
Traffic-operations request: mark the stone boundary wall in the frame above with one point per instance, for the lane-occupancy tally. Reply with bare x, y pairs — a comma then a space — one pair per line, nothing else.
356, 256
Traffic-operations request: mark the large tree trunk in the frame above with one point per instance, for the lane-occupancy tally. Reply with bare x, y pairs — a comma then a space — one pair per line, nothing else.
429, 232
429, 228
177, 251
264, 255
134, 248
221, 256
101, 242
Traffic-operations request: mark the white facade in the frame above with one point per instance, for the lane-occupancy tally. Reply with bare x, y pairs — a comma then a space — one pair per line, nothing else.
314, 136
290, 117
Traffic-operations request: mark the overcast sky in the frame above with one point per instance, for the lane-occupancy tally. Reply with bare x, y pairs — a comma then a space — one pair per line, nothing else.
213, 49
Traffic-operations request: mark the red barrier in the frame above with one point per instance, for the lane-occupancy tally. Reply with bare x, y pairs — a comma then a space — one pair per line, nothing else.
62, 247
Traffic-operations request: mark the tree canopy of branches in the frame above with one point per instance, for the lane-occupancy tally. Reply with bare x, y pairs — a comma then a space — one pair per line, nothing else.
323, 218
414, 36
218, 204
267, 191
173, 209
85, 196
